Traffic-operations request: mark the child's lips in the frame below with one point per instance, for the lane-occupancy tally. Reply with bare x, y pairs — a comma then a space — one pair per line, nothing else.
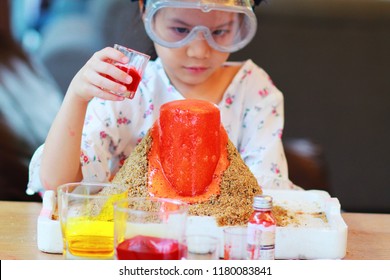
196, 69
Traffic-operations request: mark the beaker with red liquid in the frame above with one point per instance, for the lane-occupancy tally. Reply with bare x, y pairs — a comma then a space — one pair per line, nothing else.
135, 68
142, 247
150, 229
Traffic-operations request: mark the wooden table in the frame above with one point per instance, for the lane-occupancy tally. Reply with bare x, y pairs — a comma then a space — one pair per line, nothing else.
368, 234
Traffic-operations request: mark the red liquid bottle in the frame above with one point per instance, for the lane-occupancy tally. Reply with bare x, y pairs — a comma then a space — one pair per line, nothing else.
261, 230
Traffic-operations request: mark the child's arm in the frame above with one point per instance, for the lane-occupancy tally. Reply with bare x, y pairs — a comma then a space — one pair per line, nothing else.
61, 155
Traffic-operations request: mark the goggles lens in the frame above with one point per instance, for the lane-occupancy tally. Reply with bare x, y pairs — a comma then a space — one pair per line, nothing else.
225, 28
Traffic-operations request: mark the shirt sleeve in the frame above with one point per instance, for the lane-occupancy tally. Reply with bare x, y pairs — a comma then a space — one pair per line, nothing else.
34, 184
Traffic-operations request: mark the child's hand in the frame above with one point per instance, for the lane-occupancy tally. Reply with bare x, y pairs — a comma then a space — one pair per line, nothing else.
91, 81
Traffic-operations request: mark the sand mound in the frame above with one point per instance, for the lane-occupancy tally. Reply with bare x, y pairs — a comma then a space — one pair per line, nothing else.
232, 206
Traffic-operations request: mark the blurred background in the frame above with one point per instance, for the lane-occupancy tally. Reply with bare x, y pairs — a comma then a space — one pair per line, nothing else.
330, 58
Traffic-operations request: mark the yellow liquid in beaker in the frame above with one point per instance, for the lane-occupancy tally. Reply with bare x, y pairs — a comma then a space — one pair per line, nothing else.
92, 236
90, 239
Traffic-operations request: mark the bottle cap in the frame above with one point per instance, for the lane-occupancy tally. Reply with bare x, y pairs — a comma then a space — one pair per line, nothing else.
262, 202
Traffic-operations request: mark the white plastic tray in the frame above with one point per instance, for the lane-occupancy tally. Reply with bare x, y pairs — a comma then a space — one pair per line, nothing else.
313, 239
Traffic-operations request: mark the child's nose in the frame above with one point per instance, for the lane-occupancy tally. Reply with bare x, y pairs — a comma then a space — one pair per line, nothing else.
199, 47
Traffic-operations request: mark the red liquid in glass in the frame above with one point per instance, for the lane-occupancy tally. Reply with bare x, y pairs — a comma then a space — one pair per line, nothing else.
143, 247
132, 87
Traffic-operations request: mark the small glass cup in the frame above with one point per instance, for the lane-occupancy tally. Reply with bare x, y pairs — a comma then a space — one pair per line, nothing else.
150, 229
235, 243
135, 68
202, 247
86, 215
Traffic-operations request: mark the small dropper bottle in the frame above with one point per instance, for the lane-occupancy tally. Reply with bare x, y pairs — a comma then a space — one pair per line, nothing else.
261, 230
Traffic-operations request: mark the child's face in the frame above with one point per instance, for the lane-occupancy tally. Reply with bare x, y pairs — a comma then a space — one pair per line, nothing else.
193, 64
196, 61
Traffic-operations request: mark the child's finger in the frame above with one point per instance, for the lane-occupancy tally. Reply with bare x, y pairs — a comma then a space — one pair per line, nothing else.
96, 79
109, 70
112, 54
112, 72
104, 94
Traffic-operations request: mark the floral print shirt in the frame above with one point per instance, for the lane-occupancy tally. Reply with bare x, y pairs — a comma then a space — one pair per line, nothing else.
251, 111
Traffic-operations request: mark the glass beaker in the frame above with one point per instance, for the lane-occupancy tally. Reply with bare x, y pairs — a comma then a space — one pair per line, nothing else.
150, 228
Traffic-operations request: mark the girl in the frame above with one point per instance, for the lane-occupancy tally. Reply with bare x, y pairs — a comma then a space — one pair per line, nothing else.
96, 130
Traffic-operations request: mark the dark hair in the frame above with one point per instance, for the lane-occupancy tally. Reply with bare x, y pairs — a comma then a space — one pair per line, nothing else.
9, 47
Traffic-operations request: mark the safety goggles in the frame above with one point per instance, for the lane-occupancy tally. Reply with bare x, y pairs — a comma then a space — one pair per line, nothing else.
227, 25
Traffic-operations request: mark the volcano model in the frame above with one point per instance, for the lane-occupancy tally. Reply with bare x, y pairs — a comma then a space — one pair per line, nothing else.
187, 155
